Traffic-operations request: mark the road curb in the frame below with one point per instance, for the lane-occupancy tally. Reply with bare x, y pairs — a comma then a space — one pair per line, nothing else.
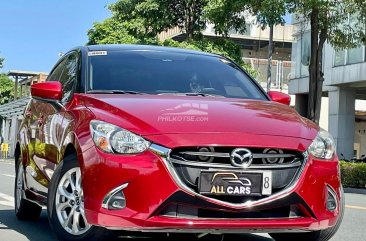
355, 190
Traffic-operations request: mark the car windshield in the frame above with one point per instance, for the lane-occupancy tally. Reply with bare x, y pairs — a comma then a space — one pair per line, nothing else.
169, 73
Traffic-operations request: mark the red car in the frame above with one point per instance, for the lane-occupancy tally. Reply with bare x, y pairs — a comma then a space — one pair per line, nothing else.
153, 139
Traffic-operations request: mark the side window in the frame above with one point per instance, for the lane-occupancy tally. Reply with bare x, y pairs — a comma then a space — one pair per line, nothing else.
69, 76
57, 71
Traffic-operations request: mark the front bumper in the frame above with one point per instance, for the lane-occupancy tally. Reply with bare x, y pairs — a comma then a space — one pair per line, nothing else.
152, 188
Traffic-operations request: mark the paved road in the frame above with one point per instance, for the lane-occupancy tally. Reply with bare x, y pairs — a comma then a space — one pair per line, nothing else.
353, 226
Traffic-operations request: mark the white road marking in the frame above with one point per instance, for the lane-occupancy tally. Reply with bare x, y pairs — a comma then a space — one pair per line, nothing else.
356, 207
8, 175
9, 200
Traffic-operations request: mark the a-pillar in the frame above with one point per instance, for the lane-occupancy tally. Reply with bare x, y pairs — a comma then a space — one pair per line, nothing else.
342, 120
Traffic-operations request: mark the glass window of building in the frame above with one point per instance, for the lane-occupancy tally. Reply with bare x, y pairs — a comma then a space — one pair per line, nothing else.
305, 53
355, 55
339, 57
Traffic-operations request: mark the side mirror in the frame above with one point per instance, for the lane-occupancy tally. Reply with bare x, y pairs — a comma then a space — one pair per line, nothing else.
47, 90
280, 97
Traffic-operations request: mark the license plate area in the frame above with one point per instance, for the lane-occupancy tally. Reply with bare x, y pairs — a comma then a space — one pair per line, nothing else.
233, 183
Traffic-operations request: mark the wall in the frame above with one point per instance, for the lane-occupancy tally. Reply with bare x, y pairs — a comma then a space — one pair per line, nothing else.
360, 138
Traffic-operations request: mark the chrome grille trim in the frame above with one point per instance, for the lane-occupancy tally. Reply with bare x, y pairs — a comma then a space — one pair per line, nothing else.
228, 166
164, 153
227, 155
208, 154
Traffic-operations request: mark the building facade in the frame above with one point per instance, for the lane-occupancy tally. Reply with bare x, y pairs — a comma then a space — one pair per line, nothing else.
343, 111
11, 113
254, 49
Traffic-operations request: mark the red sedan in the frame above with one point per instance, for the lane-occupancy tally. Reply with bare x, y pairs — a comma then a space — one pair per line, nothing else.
153, 139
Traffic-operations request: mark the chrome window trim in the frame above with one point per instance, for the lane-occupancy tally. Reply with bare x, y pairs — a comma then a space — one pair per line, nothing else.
164, 152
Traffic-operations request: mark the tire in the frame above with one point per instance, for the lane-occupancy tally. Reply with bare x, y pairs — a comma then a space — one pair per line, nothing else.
24, 209
65, 193
322, 235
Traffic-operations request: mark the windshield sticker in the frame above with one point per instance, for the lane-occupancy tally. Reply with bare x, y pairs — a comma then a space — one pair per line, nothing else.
97, 53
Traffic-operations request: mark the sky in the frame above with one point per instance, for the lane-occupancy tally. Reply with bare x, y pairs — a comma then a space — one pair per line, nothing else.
34, 32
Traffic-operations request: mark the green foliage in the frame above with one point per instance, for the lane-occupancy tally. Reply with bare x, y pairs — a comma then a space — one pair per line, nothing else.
231, 14
6, 89
224, 47
226, 15
1, 62
140, 21
269, 12
332, 18
143, 19
353, 174
112, 31
146, 18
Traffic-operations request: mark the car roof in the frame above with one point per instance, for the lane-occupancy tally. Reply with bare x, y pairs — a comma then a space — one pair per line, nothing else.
136, 47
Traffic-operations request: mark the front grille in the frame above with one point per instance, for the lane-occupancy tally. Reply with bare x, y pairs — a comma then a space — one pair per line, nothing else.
188, 163
221, 155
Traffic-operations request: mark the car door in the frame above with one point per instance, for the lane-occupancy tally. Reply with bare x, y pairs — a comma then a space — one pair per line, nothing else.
44, 120
70, 80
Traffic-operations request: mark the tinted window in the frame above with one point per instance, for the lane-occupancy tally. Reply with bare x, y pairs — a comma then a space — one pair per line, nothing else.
69, 76
165, 72
57, 71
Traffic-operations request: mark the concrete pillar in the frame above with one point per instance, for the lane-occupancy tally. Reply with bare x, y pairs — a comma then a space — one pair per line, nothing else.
6, 130
342, 120
13, 136
301, 104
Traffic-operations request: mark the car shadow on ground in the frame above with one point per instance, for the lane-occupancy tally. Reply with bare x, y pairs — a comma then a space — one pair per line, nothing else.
40, 231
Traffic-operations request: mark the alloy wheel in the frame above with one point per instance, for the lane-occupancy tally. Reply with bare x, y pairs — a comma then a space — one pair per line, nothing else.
19, 186
69, 203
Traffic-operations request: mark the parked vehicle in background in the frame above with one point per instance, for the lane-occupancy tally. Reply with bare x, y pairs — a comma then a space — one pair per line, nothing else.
153, 139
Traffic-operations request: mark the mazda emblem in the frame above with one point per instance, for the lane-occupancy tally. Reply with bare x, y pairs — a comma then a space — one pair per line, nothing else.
241, 157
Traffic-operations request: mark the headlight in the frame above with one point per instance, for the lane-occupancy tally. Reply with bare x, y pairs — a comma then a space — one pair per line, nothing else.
113, 139
323, 146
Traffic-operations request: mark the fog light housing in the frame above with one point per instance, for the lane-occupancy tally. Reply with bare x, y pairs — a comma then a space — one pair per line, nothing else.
115, 199
332, 202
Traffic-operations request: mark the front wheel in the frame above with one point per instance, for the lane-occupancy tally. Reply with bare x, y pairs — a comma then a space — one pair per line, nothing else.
66, 204
322, 235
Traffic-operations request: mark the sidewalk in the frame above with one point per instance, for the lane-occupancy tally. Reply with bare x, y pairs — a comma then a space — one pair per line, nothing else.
9, 160
355, 190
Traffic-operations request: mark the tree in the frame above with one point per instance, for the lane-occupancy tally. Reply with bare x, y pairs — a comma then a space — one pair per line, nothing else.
336, 22
112, 31
230, 14
227, 15
146, 18
269, 13
140, 21
6, 89
1, 62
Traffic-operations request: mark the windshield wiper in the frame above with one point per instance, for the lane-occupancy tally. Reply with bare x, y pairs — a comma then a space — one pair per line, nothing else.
192, 94
115, 92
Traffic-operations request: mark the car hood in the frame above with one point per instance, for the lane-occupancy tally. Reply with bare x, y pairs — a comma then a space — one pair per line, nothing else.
167, 114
